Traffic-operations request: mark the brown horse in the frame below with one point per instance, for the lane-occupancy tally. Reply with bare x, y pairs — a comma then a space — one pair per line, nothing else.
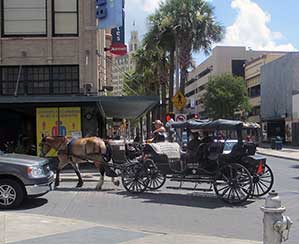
76, 151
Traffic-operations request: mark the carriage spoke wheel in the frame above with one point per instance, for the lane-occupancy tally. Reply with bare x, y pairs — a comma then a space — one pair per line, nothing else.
135, 178
262, 183
155, 178
234, 185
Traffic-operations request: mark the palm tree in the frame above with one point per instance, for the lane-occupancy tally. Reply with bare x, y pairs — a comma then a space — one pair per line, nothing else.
193, 24
160, 35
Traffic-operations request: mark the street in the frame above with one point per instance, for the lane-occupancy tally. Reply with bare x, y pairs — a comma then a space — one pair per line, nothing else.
171, 211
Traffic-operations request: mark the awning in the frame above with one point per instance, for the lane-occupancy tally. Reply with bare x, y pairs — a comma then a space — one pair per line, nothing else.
126, 107
129, 107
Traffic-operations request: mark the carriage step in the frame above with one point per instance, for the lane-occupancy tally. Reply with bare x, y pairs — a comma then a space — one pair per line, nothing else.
198, 180
189, 188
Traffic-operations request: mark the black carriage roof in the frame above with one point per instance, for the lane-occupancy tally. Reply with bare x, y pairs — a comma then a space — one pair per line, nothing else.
220, 124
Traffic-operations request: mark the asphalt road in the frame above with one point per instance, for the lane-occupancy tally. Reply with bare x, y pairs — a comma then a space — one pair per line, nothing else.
170, 211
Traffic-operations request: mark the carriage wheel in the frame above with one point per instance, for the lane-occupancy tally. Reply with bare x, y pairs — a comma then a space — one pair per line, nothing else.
262, 182
234, 184
135, 178
156, 178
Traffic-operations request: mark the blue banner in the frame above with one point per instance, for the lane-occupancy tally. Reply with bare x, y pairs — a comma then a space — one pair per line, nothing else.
110, 13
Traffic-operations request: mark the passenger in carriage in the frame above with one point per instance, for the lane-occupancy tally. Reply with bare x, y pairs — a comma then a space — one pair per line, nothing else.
194, 143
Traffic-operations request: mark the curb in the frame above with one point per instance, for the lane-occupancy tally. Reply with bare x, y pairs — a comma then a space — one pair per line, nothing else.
277, 156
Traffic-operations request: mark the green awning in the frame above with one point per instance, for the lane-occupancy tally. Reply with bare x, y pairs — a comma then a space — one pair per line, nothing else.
128, 107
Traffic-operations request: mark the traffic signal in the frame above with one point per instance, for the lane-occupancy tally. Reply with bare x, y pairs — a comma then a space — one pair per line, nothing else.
196, 116
170, 116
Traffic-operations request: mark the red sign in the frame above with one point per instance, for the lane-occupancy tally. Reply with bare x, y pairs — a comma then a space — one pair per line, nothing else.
119, 49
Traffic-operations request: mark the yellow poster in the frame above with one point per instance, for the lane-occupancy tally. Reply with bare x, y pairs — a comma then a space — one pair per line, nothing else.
46, 123
70, 121
64, 121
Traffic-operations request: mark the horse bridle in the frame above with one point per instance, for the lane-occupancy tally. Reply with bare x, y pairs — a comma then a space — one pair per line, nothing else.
44, 142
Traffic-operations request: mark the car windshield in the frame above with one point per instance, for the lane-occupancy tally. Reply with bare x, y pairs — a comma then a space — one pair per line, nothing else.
228, 145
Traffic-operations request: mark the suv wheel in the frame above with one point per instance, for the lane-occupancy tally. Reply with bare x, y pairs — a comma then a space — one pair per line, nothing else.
11, 194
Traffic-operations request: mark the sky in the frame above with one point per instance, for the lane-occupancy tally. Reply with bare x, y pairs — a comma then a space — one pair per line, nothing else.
256, 24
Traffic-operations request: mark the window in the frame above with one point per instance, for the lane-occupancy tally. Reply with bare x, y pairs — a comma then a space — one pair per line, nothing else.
65, 18
8, 79
254, 91
238, 68
39, 80
24, 17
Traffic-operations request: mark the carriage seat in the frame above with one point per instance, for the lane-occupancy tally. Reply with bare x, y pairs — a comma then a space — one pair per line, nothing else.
215, 149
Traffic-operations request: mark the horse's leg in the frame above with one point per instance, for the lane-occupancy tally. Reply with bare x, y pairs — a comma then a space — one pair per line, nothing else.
102, 172
115, 182
61, 165
80, 182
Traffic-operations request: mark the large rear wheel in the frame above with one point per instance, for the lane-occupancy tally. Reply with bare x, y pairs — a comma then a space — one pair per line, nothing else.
156, 178
135, 178
262, 181
233, 184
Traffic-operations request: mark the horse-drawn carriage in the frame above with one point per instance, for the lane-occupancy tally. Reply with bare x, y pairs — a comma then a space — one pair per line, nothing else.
235, 175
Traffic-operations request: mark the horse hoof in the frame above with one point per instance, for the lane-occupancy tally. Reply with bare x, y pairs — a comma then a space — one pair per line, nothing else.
80, 184
116, 183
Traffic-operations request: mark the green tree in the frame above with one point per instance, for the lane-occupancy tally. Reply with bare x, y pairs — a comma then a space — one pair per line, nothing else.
226, 94
193, 24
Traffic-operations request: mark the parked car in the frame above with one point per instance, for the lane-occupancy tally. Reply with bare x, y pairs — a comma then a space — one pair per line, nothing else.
23, 176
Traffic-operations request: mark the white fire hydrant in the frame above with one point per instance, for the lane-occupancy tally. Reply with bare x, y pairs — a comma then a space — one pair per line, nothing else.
276, 226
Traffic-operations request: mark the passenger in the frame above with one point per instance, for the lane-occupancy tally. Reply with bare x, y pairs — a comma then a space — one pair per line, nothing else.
194, 143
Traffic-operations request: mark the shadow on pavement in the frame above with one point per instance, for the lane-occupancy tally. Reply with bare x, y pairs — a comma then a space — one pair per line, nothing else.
85, 189
295, 166
296, 178
200, 200
31, 203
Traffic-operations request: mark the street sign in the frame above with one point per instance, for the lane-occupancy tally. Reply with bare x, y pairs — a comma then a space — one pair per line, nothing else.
119, 49
181, 117
179, 100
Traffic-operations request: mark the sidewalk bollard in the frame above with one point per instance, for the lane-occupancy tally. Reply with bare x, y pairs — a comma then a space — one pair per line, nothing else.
276, 226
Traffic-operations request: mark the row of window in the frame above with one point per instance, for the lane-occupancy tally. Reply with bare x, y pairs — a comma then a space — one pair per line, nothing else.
39, 80
200, 75
197, 90
29, 17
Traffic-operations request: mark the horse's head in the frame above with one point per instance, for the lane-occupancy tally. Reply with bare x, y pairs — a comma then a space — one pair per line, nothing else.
44, 146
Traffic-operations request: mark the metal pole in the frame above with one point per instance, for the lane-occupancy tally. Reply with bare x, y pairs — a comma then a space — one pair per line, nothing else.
177, 66
18, 81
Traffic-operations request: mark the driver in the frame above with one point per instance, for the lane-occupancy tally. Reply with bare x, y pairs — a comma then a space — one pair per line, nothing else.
159, 132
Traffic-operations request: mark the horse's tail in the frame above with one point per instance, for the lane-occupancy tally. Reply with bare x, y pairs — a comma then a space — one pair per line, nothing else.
108, 155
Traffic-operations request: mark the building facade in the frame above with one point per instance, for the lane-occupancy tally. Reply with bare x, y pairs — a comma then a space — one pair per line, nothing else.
48, 61
279, 89
123, 64
222, 60
253, 82
54, 41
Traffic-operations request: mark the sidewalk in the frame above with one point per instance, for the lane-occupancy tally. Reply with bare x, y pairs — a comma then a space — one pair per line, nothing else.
285, 153
21, 228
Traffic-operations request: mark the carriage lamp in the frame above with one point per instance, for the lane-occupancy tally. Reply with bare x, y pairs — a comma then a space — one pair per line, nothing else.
35, 171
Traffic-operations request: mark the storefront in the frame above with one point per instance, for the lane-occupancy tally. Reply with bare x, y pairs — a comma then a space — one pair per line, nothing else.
23, 120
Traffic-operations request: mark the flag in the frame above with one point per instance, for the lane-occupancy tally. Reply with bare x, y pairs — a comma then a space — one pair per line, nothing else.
110, 14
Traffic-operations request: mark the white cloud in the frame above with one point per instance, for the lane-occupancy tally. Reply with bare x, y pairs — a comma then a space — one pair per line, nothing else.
251, 29
148, 6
